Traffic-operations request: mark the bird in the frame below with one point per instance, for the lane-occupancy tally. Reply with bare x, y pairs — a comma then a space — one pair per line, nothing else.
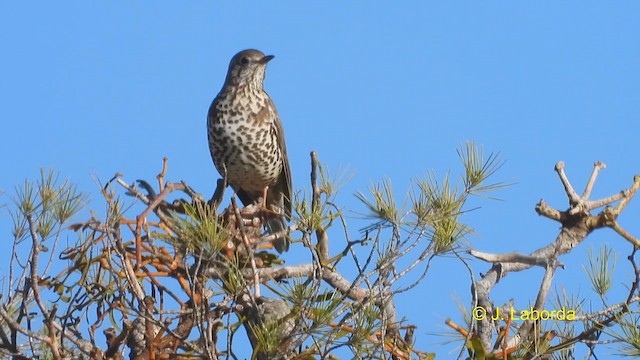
247, 142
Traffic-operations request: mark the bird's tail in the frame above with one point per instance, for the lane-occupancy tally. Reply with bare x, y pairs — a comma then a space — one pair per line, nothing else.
275, 225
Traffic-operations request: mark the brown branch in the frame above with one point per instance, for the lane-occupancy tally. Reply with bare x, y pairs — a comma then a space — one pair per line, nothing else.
33, 285
14, 325
571, 193
247, 243
626, 235
597, 166
543, 209
218, 194
624, 308
160, 177
629, 194
513, 258
577, 224
271, 237
333, 278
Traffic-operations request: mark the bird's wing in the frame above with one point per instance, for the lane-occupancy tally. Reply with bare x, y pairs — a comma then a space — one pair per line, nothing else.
284, 181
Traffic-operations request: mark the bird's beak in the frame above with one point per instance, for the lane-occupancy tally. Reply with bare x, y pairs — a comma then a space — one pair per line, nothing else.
266, 59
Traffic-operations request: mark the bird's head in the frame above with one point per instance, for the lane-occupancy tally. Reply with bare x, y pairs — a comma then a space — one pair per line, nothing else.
247, 68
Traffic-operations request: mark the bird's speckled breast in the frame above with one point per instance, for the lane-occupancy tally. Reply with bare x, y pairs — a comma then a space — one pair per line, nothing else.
244, 140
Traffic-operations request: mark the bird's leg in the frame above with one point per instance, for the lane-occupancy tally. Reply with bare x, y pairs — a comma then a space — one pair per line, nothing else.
273, 210
269, 211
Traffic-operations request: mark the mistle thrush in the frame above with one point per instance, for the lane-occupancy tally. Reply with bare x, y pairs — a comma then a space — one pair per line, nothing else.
246, 139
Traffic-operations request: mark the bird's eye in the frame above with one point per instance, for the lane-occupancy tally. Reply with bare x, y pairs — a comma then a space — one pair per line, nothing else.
244, 61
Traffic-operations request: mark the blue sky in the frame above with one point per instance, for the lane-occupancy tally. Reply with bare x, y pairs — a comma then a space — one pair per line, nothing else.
95, 88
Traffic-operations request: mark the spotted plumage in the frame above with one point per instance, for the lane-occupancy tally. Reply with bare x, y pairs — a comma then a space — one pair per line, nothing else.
246, 139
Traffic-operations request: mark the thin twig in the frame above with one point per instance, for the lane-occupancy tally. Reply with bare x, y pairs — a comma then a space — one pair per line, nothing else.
160, 177
571, 193
321, 234
247, 244
597, 166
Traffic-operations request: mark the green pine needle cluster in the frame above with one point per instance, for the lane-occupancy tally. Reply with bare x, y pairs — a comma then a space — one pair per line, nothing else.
436, 205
